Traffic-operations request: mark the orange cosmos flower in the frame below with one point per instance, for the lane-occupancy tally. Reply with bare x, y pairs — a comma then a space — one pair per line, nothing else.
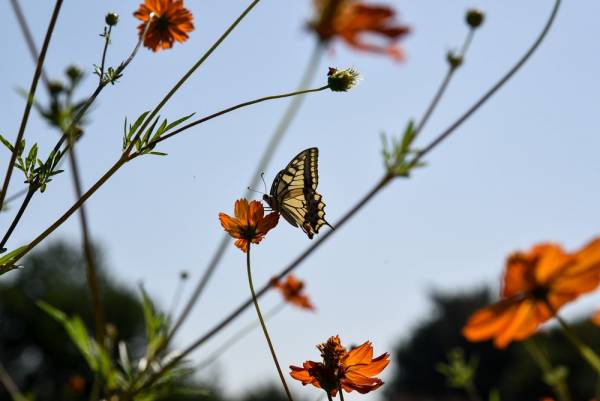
350, 370
536, 285
596, 318
349, 20
249, 224
171, 22
291, 290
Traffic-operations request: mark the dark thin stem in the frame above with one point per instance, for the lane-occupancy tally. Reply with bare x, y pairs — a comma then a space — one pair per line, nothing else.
225, 111
282, 126
92, 275
442, 89
264, 326
30, 191
106, 43
189, 74
541, 359
341, 392
329, 396
492, 90
30, 97
237, 337
118, 164
28, 36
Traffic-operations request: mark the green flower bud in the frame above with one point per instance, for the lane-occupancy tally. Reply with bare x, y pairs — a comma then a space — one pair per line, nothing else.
74, 73
55, 87
342, 80
111, 19
474, 17
454, 59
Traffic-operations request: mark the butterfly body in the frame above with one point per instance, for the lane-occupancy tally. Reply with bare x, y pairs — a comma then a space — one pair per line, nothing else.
294, 194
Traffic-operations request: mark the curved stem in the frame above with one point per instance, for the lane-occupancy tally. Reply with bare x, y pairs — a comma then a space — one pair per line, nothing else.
189, 73
298, 95
439, 139
444, 85
282, 126
264, 326
30, 97
30, 191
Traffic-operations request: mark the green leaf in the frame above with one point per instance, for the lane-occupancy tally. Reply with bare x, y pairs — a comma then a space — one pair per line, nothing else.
137, 123
157, 153
7, 143
149, 131
177, 122
13, 255
77, 331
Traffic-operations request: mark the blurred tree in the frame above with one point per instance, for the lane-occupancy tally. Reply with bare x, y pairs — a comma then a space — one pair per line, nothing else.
511, 371
269, 392
34, 348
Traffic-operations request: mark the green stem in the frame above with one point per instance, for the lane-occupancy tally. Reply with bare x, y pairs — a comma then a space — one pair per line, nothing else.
225, 111
10, 385
264, 326
189, 74
30, 97
444, 85
586, 352
539, 357
106, 43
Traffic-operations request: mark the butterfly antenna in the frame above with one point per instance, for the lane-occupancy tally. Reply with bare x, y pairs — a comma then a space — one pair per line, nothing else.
254, 190
262, 177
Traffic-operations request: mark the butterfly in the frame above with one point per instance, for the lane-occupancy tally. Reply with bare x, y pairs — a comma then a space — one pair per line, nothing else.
294, 193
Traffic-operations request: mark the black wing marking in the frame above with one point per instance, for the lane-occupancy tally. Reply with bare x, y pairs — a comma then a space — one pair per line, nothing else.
294, 193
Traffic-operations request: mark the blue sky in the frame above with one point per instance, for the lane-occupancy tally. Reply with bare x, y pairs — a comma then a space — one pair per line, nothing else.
524, 169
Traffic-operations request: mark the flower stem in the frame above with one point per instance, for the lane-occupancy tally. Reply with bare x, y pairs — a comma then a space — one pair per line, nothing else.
444, 85
106, 43
30, 97
341, 391
541, 359
280, 130
329, 396
586, 352
225, 111
264, 327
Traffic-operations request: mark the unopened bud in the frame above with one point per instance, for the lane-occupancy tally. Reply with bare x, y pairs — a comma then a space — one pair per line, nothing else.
474, 17
342, 80
55, 87
74, 73
454, 60
111, 19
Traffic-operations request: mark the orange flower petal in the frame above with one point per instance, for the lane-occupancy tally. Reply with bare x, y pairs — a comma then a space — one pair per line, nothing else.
360, 355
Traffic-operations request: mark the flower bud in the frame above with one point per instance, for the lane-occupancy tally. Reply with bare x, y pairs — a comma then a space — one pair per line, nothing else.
111, 19
454, 59
474, 17
74, 73
342, 80
55, 87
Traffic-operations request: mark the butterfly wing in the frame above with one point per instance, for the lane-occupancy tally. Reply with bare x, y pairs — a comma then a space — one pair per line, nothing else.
295, 196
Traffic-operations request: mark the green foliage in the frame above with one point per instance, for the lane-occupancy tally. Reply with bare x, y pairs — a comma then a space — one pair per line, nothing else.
8, 261
396, 152
145, 143
459, 373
